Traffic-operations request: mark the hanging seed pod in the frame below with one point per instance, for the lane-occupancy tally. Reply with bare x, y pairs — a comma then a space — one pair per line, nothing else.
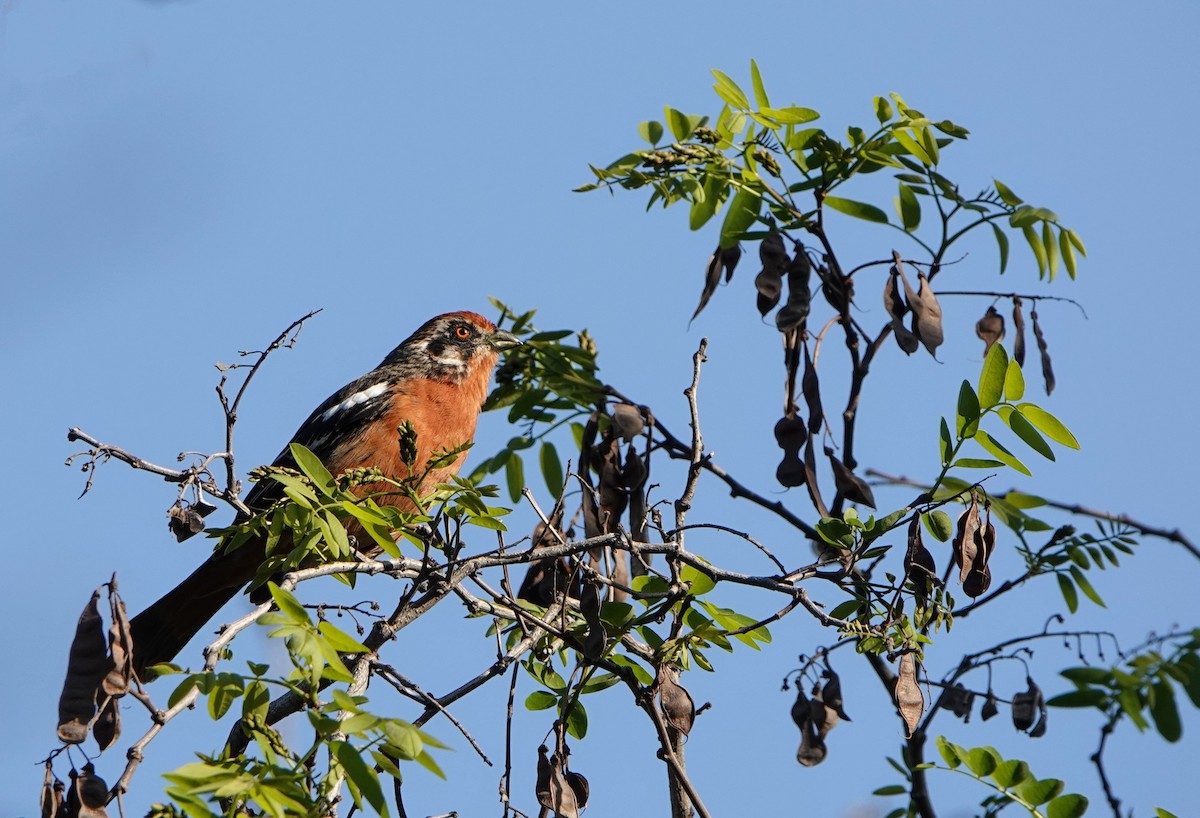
184, 521
831, 694
990, 328
88, 794
712, 277
628, 421
849, 484
107, 727
909, 701
87, 664
1019, 328
801, 710
893, 302
674, 700
770, 289
990, 706
811, 388
919, 567
553, 790
812, 749
579, 785
52, 795
1027, 705
958, 700
1047, 367
120, 647
791, 435
729, 260
927, 312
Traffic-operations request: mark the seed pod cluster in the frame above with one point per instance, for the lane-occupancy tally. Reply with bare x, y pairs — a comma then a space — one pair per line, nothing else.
816, 716
98, 674
559, 789
973, 545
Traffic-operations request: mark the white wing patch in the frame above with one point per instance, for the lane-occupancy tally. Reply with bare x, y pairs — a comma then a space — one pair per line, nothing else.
356, 399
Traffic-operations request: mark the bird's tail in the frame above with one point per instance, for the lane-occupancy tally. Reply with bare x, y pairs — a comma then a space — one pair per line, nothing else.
163, 630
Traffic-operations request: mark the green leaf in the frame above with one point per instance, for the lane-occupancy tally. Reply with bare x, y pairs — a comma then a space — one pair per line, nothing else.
939, 524
1069, 594
1076, 242
729, 91
1035, 244
977, 463
1023, 429
968, 410
540, 700
362, 777
950, 752
1159, 812
890, 789
945, 444
1000, 453
981, 760
705, 203
1082, 581
1051, 246
1048, 425
313, 468
1091, 697
341, 641
1068, 252
909, 208
678, 122
859, 210
883, 109
760, 92
1014, 382
576, 719
1010, 773
552, 470
912, 146
1006, 195
791, 115
289, 606
699, 582
1164, 711
1002, 243
514, 476
1039, 791
651, 131
992, 377
742, 212
1071, 805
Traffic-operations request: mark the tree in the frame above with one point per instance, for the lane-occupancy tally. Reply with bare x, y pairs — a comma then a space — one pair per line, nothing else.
614, 596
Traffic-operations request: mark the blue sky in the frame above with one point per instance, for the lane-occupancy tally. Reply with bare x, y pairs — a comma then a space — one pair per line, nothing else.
178, 181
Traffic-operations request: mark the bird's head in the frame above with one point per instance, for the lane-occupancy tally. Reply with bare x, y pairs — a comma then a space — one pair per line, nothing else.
452, 347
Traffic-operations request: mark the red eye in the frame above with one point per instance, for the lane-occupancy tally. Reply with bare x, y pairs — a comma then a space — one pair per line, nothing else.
462, 332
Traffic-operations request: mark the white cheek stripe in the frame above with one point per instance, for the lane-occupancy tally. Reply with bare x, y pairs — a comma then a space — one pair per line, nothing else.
355, 399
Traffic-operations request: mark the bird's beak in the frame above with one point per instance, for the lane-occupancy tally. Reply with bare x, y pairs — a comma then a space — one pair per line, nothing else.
502, 340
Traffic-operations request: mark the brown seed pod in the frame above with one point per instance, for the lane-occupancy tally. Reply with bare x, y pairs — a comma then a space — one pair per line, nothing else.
87, 664
990, 328
1019, 328
909, 701
1028, 705
674, 700
927, 312
811, 387
849, 484
919, 567
553, 790
831, 694
990, 706
1047, 366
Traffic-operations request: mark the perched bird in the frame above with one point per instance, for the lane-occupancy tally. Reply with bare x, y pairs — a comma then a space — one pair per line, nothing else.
437, 380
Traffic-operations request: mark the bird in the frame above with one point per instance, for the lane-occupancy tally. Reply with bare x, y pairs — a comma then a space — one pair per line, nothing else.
436, 379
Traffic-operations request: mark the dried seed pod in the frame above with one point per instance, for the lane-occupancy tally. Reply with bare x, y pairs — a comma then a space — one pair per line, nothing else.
909, 701
772, 254
1047, 367
88, 794
597, 636
712, 278
967, 541
729, 260
831, 694
990, 328
120, 647
184, 521
107, 728
1019, 328
790, 434
770, 288
811, 388
87, 664
612, 492
893, 302
627, 419
919, 567
849, 484
927, 312
801, 709
990, 706
554, 791
792, 316
1027, 705
674, 700
52, 795
958, 700
579, 785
